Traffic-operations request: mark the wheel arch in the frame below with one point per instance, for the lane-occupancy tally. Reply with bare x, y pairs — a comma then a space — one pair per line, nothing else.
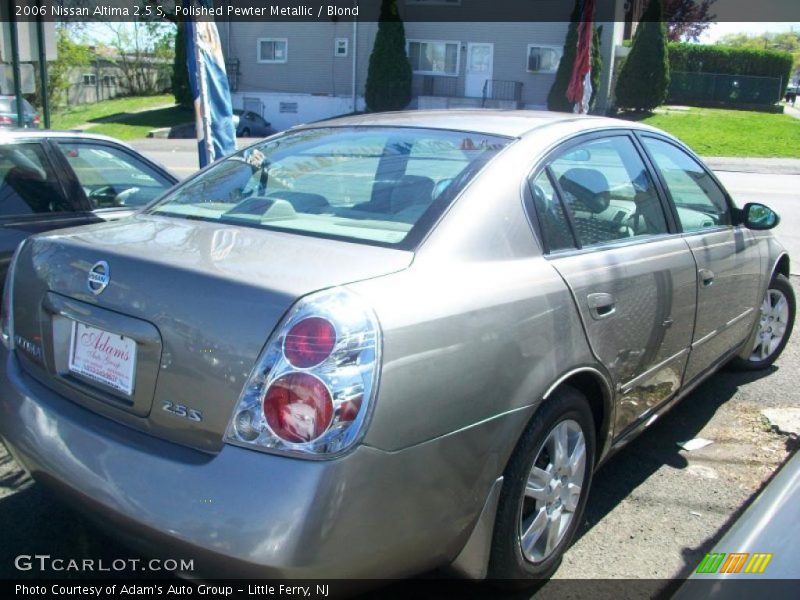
597, 389
782, 266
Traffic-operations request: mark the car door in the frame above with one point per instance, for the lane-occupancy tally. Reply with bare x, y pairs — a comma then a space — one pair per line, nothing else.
727, 256
114, 180
32, 197
606, 232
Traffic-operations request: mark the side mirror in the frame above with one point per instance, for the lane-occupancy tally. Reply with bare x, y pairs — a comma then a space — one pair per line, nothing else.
759, 217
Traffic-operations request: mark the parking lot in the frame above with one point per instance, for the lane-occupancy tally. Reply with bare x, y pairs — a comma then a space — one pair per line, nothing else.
654, 509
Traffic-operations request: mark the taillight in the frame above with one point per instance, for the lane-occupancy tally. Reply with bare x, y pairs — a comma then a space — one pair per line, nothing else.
309, 342
5, 120
312, 389
298, 407
36, 120
7, 317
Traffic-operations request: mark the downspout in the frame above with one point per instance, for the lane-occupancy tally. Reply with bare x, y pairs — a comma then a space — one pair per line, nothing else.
355, 58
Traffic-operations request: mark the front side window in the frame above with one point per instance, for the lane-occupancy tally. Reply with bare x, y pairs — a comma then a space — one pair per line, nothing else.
543, 59
606, 188
368, 183
28, 184
273, 50
699, 201
110, 177
434, 57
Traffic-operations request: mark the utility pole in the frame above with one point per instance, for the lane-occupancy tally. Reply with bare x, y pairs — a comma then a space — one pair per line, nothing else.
15, 66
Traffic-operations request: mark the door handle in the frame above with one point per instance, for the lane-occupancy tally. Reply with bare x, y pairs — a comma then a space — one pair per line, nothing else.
601, 305
706, 277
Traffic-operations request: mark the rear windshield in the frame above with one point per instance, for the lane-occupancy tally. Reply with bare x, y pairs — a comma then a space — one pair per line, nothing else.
10, 104
369, 184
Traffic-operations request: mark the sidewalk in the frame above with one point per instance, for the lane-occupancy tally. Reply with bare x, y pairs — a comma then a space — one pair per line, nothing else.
765, 166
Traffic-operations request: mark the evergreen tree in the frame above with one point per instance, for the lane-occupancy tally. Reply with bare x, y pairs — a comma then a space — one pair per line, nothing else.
557, 98
180, 70
644, 78
388, 84
597, 65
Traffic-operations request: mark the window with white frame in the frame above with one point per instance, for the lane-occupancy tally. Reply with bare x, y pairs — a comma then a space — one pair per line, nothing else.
89, 79
543, 59
340, 49
434, 57
273, 50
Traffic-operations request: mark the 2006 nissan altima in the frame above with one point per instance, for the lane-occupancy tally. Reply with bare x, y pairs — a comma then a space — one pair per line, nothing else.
382, 344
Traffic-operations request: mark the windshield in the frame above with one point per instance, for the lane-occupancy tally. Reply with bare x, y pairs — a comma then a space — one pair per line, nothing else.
364, 183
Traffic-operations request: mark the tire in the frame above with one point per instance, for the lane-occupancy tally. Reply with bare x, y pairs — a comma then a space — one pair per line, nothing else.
773, 328
245, 132
511, 566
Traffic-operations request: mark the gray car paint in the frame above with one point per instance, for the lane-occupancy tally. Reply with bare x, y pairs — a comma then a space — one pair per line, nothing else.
478, 327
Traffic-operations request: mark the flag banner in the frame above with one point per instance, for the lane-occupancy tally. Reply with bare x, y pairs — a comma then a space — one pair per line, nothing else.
582, 69
216, 134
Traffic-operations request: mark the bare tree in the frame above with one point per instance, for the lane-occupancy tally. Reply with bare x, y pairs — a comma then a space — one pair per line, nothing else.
142, 50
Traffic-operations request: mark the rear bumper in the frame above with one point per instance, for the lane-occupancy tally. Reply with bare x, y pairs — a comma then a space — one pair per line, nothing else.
241, 513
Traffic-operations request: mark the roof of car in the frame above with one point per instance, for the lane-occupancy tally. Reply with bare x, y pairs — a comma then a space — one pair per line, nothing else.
16, 133
512, 123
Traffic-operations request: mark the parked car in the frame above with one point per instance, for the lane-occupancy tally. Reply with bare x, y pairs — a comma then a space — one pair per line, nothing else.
249, 124
381, 344
9, 117
51, 180
761, 544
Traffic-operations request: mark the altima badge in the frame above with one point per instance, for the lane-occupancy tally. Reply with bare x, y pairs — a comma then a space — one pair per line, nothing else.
99, 276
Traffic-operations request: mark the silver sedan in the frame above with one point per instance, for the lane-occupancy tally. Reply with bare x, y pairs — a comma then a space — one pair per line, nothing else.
382, 344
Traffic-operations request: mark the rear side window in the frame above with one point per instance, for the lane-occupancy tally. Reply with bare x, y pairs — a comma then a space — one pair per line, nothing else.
699, 201
28, 184
552, 218
608, 192
363, 183
110, 177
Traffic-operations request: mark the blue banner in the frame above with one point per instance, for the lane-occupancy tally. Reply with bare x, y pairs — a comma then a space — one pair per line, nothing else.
216, 134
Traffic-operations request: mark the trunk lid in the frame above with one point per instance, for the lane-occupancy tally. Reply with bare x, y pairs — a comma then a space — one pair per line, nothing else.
198, 299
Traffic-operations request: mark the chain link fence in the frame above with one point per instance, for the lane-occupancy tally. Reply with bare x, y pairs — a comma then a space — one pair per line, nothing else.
721, 89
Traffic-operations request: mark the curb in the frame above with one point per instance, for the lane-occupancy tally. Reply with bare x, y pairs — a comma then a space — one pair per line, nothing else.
764, 166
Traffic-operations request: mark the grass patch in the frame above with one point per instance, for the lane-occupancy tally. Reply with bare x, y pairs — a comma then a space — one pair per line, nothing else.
136, 125
717, 132
68, 118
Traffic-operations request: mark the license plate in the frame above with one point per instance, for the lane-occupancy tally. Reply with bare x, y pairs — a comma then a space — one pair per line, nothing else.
107, 358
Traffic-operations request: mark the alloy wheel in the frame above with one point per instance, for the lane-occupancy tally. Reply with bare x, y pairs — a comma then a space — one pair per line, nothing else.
553, 491
772, 325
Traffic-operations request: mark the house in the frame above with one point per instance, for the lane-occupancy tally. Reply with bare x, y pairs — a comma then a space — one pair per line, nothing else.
110, 75
305, 71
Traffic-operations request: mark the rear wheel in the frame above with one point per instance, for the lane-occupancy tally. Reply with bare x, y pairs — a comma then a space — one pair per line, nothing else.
544, 492
245, 132
773, 328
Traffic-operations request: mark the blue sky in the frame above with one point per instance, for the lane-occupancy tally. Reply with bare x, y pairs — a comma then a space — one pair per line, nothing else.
717, 30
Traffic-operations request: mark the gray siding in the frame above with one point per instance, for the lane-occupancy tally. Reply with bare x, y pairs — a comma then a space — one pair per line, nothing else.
312, 68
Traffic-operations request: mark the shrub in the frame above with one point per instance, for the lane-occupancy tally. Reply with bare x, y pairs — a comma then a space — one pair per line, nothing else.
388, 84
557, 98
696, 58
644, 78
